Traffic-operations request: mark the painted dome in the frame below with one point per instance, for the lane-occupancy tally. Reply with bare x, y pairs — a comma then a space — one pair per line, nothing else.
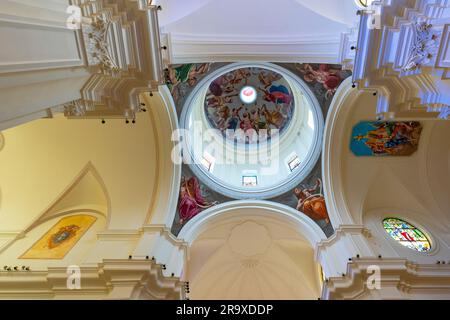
249, 104
257, 96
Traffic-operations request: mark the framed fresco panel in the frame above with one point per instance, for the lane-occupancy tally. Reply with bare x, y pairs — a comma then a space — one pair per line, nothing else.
61, 238
385, 138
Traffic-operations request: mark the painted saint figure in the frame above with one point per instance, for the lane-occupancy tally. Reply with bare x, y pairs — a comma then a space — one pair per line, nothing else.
386, 138
275, 117
311, 203
191, 199
267, 78
272, 108
186, 73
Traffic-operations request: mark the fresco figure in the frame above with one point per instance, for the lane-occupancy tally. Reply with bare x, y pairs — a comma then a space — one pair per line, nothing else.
223, 116
241, 75
275, 117
312, 203
385, 138
191, 199
258, 122
219, 101
267, 78
272, 108
323, 74
234, 120
185, 73
277, 94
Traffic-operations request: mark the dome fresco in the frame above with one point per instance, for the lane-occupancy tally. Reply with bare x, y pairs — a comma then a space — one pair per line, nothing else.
250, 99
300, 94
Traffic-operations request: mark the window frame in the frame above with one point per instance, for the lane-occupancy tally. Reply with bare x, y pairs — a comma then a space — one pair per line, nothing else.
413, 226
249, 176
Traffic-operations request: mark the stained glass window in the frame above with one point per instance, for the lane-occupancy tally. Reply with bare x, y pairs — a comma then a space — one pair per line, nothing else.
363, 3
406, 234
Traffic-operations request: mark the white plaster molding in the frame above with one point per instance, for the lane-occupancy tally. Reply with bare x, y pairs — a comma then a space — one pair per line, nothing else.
401, 60
127, 235
333, 143
165, 121
194, 48
400, 279
341, 231
44, 26
110, 279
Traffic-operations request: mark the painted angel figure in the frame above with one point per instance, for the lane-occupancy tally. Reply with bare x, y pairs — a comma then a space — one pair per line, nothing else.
191, 199
328, 77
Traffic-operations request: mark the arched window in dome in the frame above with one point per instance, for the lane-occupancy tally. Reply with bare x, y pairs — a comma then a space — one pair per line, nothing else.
406, 234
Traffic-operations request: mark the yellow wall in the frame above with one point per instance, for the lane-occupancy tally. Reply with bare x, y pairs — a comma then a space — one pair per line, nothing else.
76, 256
41, 159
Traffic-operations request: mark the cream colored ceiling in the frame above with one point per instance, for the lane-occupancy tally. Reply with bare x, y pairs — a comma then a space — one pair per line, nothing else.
252, 259
43, 159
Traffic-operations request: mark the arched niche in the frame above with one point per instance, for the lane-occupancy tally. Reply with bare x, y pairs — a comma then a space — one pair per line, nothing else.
413, 189
252, 250
363, 190
84, 199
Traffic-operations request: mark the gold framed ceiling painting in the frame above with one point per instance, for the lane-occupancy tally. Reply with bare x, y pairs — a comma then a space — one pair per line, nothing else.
61, 238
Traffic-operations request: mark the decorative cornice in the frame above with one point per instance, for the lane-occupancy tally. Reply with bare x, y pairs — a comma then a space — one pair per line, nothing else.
253, 40
95, 37
401, 62
123, 50
343, 230
195, 48
119, 235
111, 279
167, 234
400, 274
423, 47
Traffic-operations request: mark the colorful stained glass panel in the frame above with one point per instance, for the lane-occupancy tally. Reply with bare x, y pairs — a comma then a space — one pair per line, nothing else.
406, 234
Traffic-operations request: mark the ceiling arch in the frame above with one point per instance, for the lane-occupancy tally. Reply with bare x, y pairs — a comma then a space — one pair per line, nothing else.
252, 250
362, 190
256, 208
86, 192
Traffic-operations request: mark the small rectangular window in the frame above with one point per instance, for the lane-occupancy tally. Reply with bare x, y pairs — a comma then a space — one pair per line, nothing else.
249, 181
206, 164
294, 163
208, 161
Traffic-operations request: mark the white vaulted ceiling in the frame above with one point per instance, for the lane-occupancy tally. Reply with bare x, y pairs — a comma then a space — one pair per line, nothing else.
282, 30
